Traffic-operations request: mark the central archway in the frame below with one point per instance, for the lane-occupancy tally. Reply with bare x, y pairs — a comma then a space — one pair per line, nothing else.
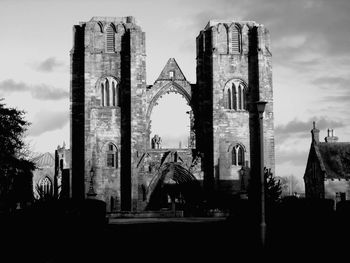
173, 183
169, 117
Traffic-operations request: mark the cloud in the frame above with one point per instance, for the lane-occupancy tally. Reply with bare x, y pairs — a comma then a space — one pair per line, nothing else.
49, 65
297, 158
296, 128
46, 121
337, 87
320, 27
326, 82
40, 92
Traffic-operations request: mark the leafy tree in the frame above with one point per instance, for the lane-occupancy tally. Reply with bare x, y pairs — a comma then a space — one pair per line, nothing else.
290, 185
15, 168
273, 186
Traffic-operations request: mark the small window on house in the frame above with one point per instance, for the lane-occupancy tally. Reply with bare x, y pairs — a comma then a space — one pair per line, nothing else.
112, 156
171, 74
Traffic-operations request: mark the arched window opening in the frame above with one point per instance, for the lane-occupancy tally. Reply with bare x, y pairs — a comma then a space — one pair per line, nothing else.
222, 39
45, 186
112, 156
110, 39
240, 156
237, 155
109, 92
174, 132
235, 96
235, 40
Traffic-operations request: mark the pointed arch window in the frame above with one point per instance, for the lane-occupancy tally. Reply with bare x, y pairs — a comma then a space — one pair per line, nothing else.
112, 156
235, 40
222, 39
110, 39
109, 92
45, 186
235, 94
237, 155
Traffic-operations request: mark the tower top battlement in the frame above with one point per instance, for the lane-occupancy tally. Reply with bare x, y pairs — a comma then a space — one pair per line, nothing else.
111, 19
214, 22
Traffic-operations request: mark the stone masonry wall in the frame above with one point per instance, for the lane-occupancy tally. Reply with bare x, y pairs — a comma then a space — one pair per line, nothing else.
217, 64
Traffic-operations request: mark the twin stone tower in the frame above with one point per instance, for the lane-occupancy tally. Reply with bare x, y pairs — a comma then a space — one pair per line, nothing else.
113, 158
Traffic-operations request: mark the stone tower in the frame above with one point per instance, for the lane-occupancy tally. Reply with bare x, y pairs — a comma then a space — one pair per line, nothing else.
233, 71
108, 70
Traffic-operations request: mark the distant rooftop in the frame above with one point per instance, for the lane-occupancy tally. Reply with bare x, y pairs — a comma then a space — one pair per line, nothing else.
334, 158
44, 160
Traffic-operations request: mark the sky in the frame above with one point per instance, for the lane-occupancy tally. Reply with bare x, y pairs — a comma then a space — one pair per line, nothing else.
310, 53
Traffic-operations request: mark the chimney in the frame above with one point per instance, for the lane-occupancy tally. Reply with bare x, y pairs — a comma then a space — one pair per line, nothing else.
331, 136
315, 133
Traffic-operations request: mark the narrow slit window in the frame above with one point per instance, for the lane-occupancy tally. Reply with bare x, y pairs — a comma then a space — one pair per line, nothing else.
107, 93
229, 99
234, 97
112, 156
240, 102
102, 95
235, 41
110, 40
234, 156
114, 93
240, 156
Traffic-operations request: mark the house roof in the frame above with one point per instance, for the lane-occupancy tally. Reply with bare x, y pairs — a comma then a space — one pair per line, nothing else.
334, 158
44, 160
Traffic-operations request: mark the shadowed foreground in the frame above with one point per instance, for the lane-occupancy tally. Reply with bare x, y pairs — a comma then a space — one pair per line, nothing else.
296, 231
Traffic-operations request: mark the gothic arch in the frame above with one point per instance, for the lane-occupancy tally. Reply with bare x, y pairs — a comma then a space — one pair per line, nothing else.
105, 145
237, 152
234, 144
170, 87
113, 90
235, 94
100, 25
104, 151
46, 185
222, 38
235, 38
120, 28
112, 25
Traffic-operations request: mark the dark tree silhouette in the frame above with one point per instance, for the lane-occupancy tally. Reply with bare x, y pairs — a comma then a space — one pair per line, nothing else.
273, 186
15, 168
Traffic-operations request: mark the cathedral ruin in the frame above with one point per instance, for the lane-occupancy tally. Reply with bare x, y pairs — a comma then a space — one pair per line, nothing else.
114, 157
